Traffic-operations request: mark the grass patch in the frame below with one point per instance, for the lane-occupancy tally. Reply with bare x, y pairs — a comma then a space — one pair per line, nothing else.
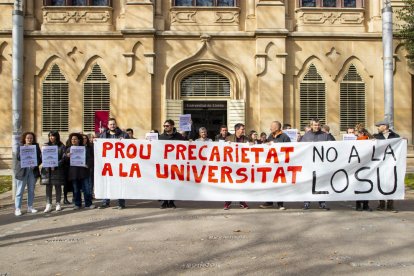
409, 180
5, 183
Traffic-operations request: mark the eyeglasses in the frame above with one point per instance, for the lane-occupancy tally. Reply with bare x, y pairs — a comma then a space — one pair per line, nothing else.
166, 125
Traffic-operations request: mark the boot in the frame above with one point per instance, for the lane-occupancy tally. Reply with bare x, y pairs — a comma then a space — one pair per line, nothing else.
365, 206
381, 206
390, 206
358, 206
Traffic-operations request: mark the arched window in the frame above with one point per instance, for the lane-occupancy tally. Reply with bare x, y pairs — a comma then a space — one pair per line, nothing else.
55, 101
352, 99
205, 84
96, 96
312, 97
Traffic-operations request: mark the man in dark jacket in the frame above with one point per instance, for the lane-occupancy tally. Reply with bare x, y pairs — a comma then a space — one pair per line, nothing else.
170, 133
224, 133
113, 132
316, 135
384, 132
237, 137
276, 136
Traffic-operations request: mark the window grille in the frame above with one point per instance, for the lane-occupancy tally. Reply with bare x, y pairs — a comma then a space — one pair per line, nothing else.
312, 97
55, 101
96, 96
205, 84
352, 99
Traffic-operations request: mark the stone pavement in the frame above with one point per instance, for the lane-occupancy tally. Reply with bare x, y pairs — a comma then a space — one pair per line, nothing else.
200, 238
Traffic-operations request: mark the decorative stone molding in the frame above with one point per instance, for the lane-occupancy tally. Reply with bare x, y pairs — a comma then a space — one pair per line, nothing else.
183, 17
227, 17
130, 63
96, 18
311, 20
2, 58
260, 63
204, 19
333, 54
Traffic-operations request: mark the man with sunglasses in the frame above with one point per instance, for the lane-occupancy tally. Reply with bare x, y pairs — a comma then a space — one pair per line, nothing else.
170, 133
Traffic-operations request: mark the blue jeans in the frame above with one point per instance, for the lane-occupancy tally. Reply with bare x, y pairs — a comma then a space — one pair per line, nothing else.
121, 202
84, 185
30, 180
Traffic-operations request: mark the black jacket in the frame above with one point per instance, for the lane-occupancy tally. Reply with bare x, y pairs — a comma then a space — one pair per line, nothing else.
381, 136
174, 136
118, 134
280, 138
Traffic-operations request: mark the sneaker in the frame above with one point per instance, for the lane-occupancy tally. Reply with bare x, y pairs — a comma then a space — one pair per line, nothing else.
58, 208
282, 208
76, 207
120, 207
48, 208
244, 205
323, 206
92, 206
227, 206
266, 205
380, 208
17, 212
31, 210
306, 206
103, 206
172, 205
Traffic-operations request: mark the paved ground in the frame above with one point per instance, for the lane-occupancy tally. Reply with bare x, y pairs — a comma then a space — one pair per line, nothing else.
201, 238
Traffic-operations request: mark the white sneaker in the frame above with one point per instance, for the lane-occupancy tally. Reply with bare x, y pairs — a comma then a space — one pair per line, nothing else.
31, 210
92, 207
58, 208
17, 212
48, 208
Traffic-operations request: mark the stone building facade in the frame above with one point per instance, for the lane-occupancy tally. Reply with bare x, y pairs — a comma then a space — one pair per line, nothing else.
223, 61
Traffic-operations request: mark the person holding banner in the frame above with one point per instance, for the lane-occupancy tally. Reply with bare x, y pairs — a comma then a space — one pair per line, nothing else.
316, 135
363, 134
384, 132
170, 133
113, 132
54, 176
79, 162
276, 136
27, 171
202, 132
237, 137
224, 133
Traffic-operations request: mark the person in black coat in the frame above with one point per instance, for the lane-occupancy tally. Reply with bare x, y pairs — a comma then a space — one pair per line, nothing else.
384, 132
170, 133
113, 132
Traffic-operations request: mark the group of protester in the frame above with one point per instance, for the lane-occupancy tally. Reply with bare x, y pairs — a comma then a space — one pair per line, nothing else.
80, 179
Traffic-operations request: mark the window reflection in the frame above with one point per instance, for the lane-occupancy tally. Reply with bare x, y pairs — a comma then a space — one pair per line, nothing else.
329, 3
207, 3
308, 3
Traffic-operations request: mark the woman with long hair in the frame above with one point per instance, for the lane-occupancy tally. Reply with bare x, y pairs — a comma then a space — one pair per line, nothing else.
78, 176
54, 176
26, 176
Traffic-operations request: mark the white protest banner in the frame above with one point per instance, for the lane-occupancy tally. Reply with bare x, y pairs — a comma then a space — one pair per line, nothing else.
181, 170
151, 136
185, 122
50, 156
78, 156
28, 156
292, 133
349, 137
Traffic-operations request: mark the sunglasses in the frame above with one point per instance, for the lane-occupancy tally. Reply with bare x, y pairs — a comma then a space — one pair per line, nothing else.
166, 125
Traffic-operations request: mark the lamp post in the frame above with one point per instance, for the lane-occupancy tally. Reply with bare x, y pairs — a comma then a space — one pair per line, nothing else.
17, 76
387, 38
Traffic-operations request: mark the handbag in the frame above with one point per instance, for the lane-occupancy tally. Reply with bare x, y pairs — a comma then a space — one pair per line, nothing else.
44, 176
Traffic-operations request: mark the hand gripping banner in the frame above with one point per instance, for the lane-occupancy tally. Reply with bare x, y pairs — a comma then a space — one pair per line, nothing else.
181, 170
